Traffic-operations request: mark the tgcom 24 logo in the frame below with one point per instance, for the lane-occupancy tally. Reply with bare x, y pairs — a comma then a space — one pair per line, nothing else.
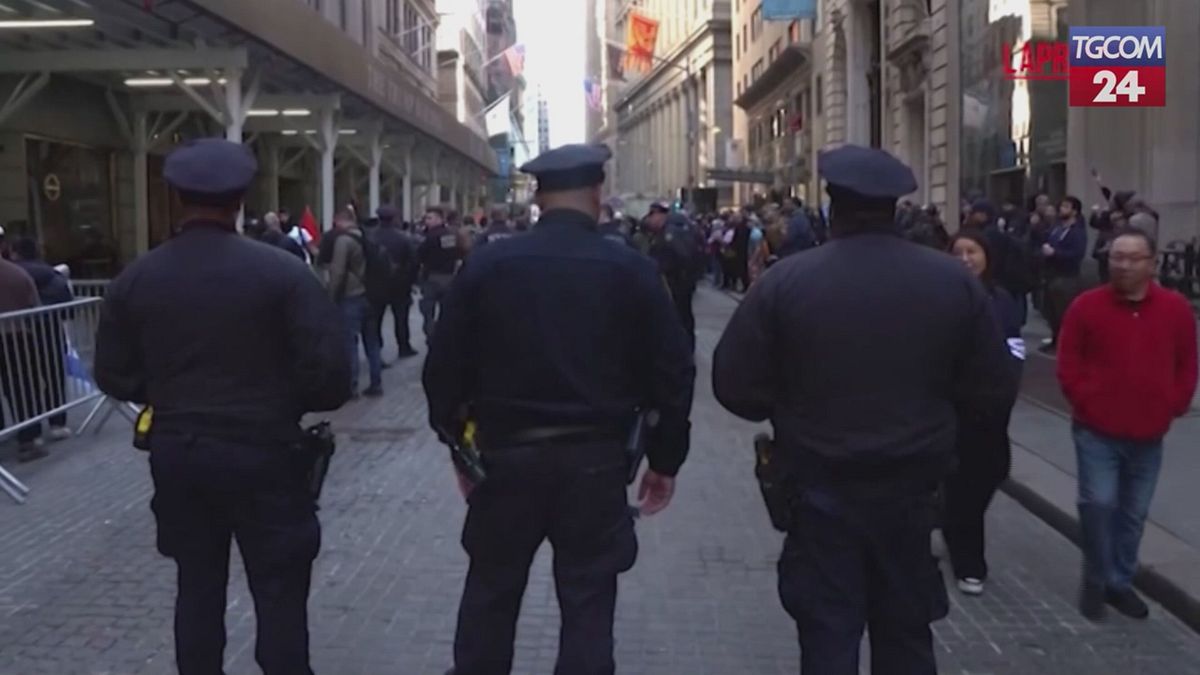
1104, 66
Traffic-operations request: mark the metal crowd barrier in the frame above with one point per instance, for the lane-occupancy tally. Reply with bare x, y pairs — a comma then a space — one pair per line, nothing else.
46, 359
89, 288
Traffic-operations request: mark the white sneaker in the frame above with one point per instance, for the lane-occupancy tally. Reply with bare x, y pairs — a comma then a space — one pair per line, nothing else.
59, 433
970, 586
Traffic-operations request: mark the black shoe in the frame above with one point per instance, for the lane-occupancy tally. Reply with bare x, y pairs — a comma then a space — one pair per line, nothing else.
407, 352
373, 392
1091, 602
384, 365
1128, 603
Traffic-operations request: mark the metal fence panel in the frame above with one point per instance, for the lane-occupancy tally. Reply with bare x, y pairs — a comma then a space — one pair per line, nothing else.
46, 360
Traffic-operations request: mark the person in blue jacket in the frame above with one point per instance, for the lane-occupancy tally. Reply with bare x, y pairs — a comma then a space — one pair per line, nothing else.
1062, 256
984, 451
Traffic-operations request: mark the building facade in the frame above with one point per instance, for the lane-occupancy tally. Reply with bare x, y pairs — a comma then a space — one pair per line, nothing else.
605, 68
673, 121
1020, 138
773, 77
462, 61
337, 99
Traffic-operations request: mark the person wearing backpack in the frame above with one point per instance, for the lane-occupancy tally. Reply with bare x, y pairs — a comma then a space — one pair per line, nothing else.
355, 273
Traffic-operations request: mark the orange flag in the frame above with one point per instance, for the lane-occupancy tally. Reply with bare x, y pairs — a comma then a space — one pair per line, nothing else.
640, 41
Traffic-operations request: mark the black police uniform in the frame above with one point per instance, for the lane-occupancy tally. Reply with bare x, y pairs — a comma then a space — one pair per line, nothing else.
498, 230
552, 340
439, 254
612, 231
675, 251
403, 254
230, 341
860, 353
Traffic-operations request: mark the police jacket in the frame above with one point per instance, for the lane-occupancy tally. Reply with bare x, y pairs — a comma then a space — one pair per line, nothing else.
678, 255
860, 353
611, 230
440, 251
401, 251
221, 334
561, 327
495, 232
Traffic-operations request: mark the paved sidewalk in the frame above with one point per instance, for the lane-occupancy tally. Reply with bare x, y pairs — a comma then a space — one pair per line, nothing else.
82, 590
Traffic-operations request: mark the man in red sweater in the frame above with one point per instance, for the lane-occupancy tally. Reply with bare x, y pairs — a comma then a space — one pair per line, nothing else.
1127, 363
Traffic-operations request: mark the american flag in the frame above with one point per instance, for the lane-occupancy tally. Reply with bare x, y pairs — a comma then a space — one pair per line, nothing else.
594, 93
515, 57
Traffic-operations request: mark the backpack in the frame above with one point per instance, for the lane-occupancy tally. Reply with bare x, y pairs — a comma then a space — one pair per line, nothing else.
380, 270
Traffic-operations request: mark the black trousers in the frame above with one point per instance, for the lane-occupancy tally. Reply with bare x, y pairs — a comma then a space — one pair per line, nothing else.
208, 492
400, 303
1060, 293
985, 458
33, 376
683, 297
851, 563
573, 495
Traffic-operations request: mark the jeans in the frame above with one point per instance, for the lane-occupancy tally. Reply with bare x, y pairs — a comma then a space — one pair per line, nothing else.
355, 312
1116, 485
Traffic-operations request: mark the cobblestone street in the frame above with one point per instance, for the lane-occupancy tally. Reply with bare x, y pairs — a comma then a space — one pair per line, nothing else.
83, 591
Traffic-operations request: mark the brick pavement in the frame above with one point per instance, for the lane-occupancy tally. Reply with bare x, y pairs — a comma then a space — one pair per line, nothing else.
82, 590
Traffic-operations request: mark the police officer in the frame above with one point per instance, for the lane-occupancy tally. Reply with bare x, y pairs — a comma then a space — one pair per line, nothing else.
610, 227
439, 254
860, 353
554, 395
229, 342
673, 246
498, 229
402, 252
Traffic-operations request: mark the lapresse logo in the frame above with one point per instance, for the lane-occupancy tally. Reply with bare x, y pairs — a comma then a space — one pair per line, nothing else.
1118, 66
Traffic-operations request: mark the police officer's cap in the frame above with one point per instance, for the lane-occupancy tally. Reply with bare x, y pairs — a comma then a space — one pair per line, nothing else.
678, 220
569, 167
210, 171
868, 174
386, 213
660, 207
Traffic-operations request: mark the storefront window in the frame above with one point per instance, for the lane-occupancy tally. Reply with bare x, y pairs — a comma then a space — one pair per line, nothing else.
71, 207
1014, 131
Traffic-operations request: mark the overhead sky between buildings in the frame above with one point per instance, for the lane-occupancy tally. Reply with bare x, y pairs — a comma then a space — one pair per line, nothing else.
553, 34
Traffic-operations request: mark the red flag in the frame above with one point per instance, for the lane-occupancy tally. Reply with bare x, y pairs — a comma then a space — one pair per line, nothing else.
308, 223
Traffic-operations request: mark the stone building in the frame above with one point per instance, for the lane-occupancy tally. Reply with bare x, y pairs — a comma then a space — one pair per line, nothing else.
673, 119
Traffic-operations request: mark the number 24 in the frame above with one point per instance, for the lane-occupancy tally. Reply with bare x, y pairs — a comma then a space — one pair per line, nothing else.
1129, 87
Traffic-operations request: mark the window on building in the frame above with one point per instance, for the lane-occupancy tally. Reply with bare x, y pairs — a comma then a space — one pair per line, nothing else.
756, 24
427, 47
819, 98
757, 70
362, 21
738, 40
793, 32
411, 30
773, 53
745, 39
391, 19
739, 91
315, 4
343, 12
